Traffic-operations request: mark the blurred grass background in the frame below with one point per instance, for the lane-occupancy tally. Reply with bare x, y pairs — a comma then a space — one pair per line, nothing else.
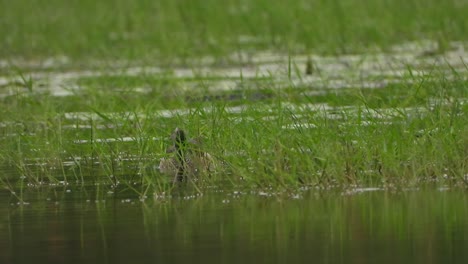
167, 29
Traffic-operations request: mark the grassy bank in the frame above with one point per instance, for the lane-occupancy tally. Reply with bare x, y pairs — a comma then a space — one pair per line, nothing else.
149, 30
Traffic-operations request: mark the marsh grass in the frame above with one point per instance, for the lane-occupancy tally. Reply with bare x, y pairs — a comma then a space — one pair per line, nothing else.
410, 133
269, 130
169, 31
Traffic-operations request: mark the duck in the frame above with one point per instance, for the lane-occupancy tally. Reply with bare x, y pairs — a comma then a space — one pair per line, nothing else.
185, 158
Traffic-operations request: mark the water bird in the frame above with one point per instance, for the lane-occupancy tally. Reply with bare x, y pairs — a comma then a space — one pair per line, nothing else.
186, 159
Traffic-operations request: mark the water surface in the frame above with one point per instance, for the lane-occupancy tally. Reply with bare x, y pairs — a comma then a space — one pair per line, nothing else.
357, 226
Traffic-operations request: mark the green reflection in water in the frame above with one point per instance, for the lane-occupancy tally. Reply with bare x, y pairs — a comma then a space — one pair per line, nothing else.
406, 227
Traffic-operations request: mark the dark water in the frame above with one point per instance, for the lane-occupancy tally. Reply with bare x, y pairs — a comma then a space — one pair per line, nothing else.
418, 226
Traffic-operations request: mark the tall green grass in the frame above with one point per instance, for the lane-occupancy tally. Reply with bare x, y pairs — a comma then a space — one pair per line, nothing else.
410, 133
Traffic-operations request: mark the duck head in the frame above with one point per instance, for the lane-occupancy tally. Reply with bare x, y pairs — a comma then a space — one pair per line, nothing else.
179, 138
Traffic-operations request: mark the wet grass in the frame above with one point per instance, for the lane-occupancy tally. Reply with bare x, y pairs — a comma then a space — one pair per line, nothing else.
83, 104
408, 133
319, 115
170, 31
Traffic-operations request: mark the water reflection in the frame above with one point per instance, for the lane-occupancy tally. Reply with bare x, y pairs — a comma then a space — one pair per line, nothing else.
378, 226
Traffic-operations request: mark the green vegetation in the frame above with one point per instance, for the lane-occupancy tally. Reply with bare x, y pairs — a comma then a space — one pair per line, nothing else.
337, 125
174, 30
334, 131
409, 133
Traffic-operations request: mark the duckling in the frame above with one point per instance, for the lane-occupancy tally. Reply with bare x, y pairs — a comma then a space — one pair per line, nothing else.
187, 159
